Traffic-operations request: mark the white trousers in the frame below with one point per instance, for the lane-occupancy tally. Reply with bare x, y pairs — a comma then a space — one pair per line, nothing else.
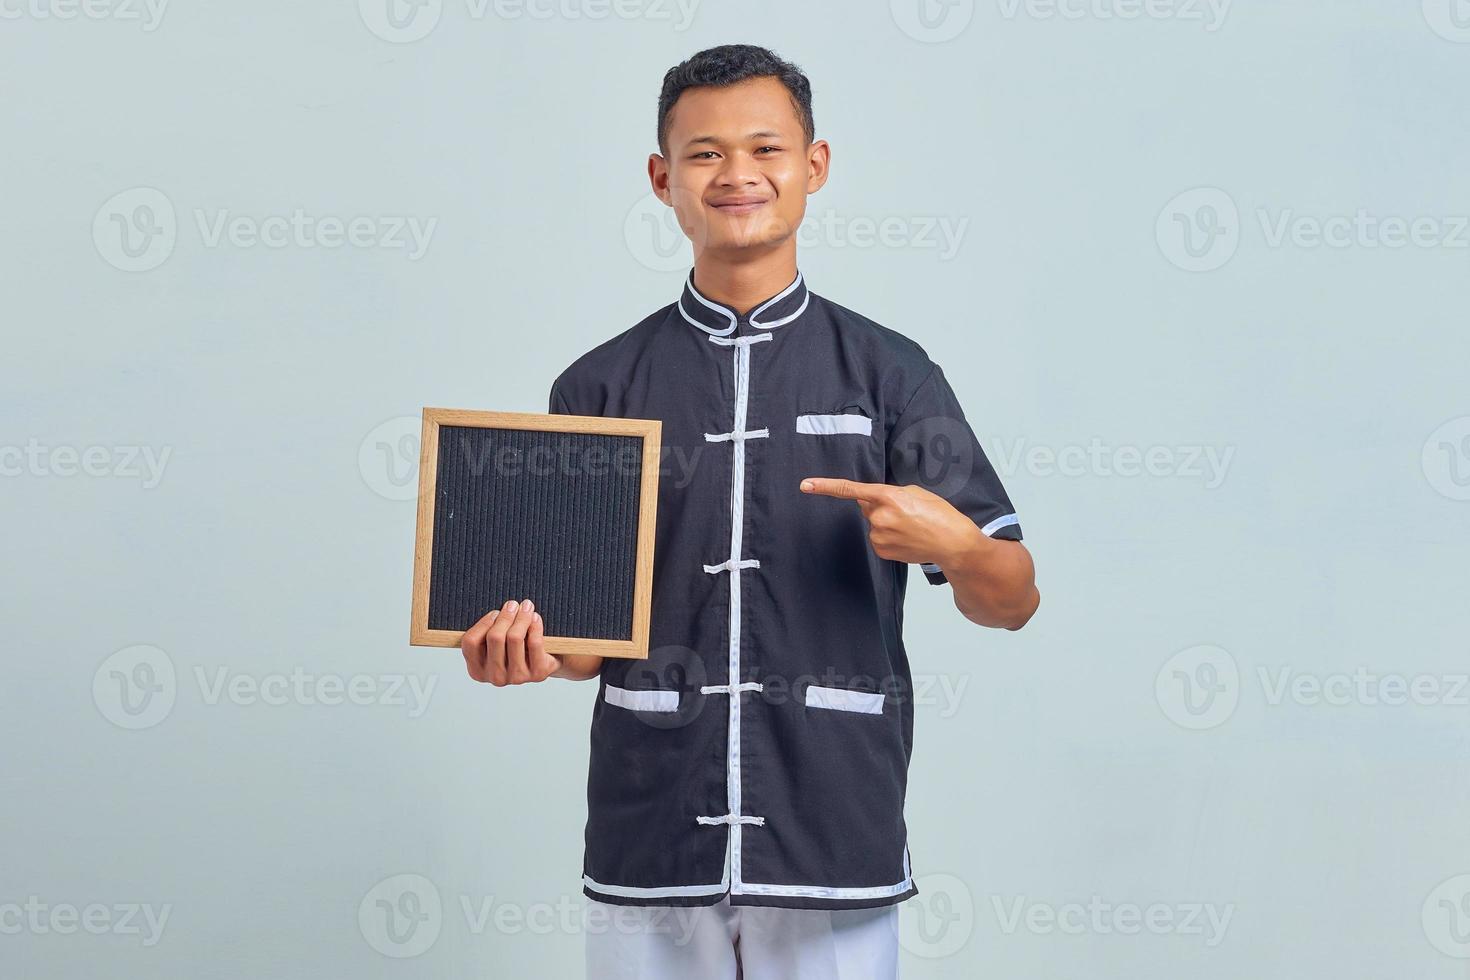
739, 942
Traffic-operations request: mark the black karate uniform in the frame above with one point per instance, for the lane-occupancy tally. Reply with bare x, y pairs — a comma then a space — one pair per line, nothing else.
762, 750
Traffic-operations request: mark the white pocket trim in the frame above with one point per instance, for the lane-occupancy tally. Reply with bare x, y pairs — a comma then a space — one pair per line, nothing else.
642, 700
841, 699
831, 425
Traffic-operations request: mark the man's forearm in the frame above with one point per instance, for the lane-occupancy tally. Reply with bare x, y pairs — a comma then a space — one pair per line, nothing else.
994, 581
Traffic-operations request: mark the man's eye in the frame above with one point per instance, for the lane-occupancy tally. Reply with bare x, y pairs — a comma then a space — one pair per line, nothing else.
768, 148
702, 154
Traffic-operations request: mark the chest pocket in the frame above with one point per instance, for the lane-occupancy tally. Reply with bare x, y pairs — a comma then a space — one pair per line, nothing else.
846, 423
843, 441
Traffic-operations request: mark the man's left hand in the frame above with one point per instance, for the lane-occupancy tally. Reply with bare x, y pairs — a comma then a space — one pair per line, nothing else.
908, 523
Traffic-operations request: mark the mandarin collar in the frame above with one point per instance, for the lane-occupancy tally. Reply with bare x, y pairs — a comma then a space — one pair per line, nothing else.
719, 320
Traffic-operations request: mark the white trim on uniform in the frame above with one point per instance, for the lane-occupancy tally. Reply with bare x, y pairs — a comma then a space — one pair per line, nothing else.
988, 530
730, 819
727, 688
831, 425
754, 317
734, 565
736, 436
775, 299
641, 700
665, 891
727, 564
751, 888
824, 891
1000, 522
722, 310
842, 699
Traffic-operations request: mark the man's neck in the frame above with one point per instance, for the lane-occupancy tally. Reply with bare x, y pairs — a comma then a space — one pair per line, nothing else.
743, 284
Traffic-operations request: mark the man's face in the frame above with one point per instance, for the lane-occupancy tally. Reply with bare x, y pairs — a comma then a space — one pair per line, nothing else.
738, 170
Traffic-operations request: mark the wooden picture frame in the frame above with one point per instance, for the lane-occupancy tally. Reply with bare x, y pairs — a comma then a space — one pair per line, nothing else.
649, 430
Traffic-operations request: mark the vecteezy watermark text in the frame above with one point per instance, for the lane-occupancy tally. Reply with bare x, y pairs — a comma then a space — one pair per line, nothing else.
655, 238
137, 230
1210, 13
1199, 688
149, 13
145, 463
1200, 230
1208, 464
39, 918
1102, 918
403, 915
136, 687
406, 21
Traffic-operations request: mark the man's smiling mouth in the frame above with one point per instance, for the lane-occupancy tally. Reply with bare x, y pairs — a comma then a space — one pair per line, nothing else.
739, 205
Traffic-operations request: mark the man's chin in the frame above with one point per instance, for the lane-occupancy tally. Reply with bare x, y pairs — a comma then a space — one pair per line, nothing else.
753, 236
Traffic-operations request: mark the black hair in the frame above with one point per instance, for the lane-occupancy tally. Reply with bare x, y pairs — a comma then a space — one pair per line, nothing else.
727, 65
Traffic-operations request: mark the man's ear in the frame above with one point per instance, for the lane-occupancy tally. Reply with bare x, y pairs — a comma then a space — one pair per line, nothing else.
819, 162
658, 176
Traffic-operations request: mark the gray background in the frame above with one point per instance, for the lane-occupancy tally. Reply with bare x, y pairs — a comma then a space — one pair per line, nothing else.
1117, 292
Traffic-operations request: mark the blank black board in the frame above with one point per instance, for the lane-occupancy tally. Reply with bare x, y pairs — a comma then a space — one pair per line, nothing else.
517, 512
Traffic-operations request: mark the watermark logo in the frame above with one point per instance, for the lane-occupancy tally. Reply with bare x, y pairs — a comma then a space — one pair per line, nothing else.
149, 13
1450, 19
1206, 464
1199, 230
388, 458
1363, 229
938, 233
676, 669
653, 236
135, 230
932, 21
40, 918
1103, 918
298, 687
939, 920
1198, 688
143, 463
658, 241
401, 916
1446, 459
400, 21
1363, 688
300, 229
406, 21
1446, 917
936, 453
135, 687
1210, 13
837, 690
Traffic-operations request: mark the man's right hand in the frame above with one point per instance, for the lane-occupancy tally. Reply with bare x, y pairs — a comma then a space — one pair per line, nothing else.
507, 646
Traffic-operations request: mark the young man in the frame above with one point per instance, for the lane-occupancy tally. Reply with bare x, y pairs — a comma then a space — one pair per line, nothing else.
749, 777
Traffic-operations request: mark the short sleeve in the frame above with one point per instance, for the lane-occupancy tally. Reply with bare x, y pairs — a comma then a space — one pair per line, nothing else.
933, 446
574, 392
557, 402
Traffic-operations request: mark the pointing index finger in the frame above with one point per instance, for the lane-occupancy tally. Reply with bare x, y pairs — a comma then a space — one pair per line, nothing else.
850, 489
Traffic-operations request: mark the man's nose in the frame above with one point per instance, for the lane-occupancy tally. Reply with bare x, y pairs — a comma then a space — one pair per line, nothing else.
738, 168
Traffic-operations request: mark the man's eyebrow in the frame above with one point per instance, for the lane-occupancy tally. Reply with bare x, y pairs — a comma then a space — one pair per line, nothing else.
764, 134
